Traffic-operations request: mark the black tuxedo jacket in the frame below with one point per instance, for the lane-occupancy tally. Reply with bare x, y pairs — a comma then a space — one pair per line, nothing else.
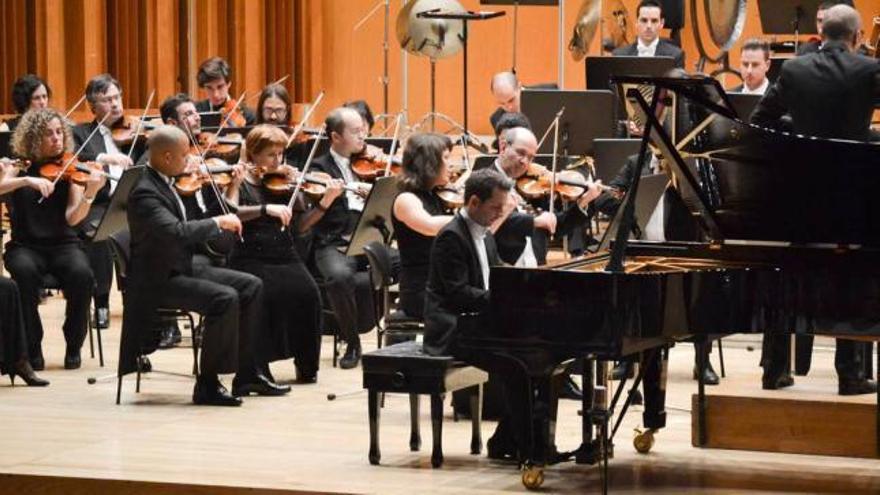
162, 246
828, 94
250, 117
455, 284
338, 221
93, 148
678, 224
664, 49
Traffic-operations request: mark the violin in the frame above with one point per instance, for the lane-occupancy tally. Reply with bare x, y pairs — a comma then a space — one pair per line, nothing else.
369, 166
451, 196
536, 183
314, 183
188, 184
230, 111
226, 148
126, 130
77, 172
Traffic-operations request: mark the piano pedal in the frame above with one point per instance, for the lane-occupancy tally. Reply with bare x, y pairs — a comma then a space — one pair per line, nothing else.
644, 440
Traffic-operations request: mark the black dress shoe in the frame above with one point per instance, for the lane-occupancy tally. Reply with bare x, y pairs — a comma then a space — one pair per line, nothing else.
623, 369
210, 392
776, 382
856, 387
258, 384
72, 360
570, 390
102, 318
709, 376
38, 363
166, 341
351, 358
24, 370
501, 448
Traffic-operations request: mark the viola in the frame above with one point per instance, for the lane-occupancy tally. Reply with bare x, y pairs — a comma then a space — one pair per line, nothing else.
188, 184
126, 130
314, 183
369, 165
226, 148
452, 196
537, 183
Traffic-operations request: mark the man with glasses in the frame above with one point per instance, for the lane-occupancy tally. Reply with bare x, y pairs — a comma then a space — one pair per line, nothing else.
333, 219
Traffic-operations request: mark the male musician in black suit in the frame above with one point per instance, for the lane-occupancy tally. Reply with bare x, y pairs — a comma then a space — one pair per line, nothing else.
104, 97
507, 91
754, 62
458, 282
522, 237
649, 23
162, 274
215, 79
828, 94
333, 219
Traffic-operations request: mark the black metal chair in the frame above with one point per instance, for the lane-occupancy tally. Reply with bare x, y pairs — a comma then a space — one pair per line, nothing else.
392, 326
120, 246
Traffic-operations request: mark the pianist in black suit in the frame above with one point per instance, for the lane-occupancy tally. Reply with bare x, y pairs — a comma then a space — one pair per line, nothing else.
522, 237
104, 97
829, 94
162, 274
458, 282
649, 23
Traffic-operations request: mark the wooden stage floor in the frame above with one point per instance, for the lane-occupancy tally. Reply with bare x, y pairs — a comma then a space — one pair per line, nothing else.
70, 437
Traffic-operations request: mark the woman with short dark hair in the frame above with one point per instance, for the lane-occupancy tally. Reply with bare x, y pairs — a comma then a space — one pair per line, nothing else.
418, 214
29, 92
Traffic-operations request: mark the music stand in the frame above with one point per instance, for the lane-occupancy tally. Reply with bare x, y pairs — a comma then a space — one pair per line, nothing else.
600, 70
210, 119
115, 217
464, 17
588, 115
610, 154
374, 223
516, 4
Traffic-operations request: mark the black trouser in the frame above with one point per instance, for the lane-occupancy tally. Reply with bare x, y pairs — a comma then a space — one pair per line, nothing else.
101, 261
230, 302
347, 286
849, 357
69, 264
13, 341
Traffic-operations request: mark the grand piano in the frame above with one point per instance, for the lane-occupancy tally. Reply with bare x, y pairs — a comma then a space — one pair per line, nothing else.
792, 245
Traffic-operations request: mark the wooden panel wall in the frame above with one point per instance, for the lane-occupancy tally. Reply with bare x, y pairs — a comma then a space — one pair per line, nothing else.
158, 44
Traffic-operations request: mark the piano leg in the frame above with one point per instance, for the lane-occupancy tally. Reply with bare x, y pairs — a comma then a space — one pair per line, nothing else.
702, 435
373, 407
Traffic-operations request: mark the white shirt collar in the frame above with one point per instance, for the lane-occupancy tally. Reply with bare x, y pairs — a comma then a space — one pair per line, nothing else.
647, 50
339, 159
760, 90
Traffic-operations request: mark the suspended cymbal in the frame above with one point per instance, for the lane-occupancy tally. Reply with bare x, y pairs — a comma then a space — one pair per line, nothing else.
726, 19
433, 38
588, 18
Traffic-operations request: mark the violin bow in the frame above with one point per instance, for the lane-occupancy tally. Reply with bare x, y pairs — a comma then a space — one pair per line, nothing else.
75, 106
140, 124
201, 155
306, 117
555, 156
394, 141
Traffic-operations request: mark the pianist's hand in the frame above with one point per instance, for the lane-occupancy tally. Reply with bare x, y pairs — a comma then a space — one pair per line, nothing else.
546, 221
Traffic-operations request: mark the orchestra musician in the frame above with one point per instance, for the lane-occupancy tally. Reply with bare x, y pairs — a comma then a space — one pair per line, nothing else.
104, 97
754, 64
162, 274
509, 120
44, 239
273, 107
829, 94
361, 107
458, 282
29, 92
332, 220
215, 79
649, 22
291, 313
418, 214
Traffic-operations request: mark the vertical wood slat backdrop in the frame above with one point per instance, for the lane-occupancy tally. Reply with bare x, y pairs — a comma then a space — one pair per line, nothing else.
145, 44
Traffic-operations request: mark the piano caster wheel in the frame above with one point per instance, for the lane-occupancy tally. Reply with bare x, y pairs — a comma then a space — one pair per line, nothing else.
643, 441
533, 477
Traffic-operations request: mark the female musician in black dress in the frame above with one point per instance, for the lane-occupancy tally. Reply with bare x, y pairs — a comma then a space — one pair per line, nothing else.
418, 214
29, 92
44, 240
292, 302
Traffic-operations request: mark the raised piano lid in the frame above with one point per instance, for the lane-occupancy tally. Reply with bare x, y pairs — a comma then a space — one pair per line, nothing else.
755, 184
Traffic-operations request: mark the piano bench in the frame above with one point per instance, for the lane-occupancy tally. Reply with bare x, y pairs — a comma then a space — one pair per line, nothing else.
404, 368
